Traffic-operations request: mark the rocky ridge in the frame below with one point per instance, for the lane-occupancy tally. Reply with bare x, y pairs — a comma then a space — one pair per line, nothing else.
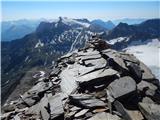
92, 83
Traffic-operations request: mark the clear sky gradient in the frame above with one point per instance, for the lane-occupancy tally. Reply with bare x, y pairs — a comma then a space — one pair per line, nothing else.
13, 10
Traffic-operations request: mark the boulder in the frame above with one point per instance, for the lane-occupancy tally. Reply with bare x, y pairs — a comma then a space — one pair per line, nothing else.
150, 111
146, 72
86, 101
135, 115
55, 72
98, 77
35, 93
98, 63
120, 108
129, 58
8, 108
81, 113
56, 108
122, 86
135, 72
117, 62
104, 116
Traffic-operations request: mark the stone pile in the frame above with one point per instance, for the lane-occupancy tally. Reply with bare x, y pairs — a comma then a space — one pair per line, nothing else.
93, 83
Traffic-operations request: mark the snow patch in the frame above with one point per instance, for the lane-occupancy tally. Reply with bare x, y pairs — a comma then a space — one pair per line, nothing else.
39, 44
39, 74
73, 44
26, 58
119, 39
69, 21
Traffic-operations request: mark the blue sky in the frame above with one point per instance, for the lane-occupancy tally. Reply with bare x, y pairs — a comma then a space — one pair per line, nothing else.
13, 10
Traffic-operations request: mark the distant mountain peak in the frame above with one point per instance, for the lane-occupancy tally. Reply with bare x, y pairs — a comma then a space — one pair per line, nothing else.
107, 25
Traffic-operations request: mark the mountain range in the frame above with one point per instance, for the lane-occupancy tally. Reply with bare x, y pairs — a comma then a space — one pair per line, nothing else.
44, 45
19, 28
12, 30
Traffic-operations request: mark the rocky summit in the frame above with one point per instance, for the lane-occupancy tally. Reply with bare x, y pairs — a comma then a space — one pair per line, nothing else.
92, 83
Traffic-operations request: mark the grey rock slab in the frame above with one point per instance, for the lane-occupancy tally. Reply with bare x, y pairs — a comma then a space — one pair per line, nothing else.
31, 97
75, 108
128, 57
98, 63
150, 111
67, 55
81, 113
85, 100
82, 70
115, 56
89, 57
104, 116
88, 52
97, 74
124, 113
55, 71
44, 108
135, 71
40, 87
16, 117
91, 66
8, 108
146, 74
144, 84
70, 114
33, 110
51, 107
122, 86
68, 77
147, 100
135, 115
56, 108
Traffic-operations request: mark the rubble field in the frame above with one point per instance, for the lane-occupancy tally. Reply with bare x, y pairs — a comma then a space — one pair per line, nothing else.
93, 83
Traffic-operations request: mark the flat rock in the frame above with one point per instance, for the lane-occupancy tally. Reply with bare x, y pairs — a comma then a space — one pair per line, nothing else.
75, 108
104, 116
144, 84
135, 115
56, 108
129, 57
44, 108
100, 110
98, 63
68, 77
86, 101
88, 52
81, 113
89, 57
122, 86
150, 111
32, 96
55, 71
147, 100
102, 76
116, 57
146, 72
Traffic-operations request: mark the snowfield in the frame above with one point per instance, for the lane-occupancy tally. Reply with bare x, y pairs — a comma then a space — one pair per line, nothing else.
149, 53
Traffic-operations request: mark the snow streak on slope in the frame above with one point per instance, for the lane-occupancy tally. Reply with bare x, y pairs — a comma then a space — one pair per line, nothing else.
69, 21
75, 42
149, 53
119, 39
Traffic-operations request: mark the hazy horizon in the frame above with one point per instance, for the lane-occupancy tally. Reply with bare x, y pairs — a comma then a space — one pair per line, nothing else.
91, 10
